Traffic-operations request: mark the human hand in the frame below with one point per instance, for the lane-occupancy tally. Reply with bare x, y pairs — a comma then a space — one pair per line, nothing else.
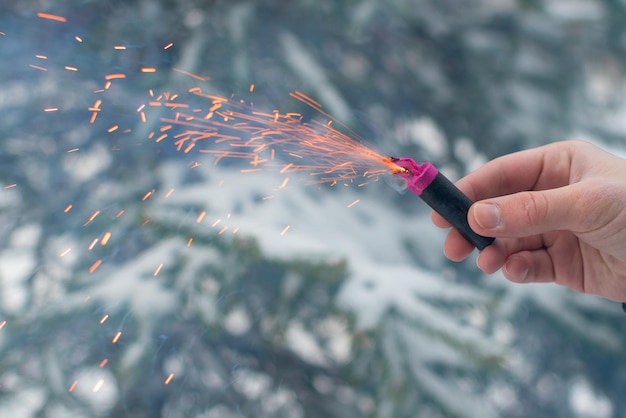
558, 213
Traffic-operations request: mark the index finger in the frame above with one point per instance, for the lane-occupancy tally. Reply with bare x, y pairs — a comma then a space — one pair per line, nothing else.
539, 168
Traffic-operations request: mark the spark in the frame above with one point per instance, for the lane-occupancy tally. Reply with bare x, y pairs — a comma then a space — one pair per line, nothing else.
41, 57
158, 269
285, 168
105, 238
221, 231
116, 337
187, 73
66, 252
70, 68
37, 67
284, 231
10, 186
3, 323
147, 195
168, 46
189, 241
120, 213
112, 128
268, 197
284, 183
169, 193
103, 363
235, 230
217, 221
251, 88
78, 39
98, 385
169, 378
201, 216
104, 318
92, 217
148, 70
95, 265
115, 76
119, 47
73, 150
93, 244
354, 203
73, 386
51, 17
51, 109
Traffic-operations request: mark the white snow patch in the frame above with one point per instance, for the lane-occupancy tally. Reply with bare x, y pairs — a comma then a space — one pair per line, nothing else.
587, 402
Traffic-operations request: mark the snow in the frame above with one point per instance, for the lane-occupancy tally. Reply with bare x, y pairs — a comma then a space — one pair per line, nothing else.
586, 402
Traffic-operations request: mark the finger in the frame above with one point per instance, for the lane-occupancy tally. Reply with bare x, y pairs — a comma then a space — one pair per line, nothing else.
534, 169
529, 213
439, 221
455, 247
492, 258
530, 266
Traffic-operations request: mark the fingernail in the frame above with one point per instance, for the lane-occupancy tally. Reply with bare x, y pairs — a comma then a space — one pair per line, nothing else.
487, 215
516, 269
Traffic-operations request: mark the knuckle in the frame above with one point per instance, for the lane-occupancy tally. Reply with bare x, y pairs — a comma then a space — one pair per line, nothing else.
535, 207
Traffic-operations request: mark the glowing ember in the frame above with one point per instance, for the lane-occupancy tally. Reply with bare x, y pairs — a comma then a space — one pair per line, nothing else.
95, 265
98, 386
73, 386
169, 379
117, 336
91, 218
147, 195
93, 244
105, 238
37, 67
51, 17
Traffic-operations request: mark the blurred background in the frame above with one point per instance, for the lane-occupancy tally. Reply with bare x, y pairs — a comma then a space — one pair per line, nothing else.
303, 306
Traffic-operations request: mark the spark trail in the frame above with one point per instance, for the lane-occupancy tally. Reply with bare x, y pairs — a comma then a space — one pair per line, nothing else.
285, 142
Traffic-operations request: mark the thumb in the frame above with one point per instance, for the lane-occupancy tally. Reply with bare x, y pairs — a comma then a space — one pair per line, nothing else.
526, 213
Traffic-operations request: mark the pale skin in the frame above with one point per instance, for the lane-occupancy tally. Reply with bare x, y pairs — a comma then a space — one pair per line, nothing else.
558, 214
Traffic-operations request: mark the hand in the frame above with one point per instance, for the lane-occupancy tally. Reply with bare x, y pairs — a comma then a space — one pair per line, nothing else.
558, 213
